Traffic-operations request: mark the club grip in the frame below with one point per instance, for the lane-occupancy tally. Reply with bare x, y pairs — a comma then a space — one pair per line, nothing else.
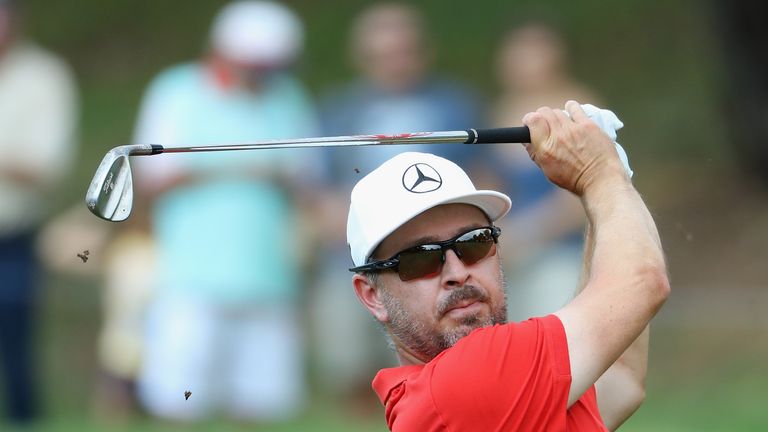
499, 135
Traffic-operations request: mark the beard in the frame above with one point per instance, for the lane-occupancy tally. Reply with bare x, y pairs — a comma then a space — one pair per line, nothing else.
427, 343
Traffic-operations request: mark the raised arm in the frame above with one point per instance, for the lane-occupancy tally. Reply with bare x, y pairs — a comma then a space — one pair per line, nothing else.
627, 283
621, 389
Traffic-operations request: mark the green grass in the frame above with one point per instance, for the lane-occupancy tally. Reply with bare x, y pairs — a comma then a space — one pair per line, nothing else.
705, 380
317, 421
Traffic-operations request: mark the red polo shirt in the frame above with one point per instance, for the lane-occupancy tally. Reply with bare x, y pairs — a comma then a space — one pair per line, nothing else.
511, 377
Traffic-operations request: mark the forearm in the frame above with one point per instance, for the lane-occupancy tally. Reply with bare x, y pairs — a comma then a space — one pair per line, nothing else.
625, 280
589, 249
627, 265
621, 389
626, 241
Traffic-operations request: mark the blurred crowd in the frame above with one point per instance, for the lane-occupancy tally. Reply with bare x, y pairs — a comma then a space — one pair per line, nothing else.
227, 293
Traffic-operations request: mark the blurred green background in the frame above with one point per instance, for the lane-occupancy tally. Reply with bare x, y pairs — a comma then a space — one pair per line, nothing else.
656, 63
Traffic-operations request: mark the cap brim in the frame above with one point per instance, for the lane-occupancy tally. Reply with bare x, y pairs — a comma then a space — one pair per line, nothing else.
494, 204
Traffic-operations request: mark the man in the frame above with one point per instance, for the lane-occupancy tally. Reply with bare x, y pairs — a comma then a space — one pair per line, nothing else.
224, 321
396, 90
428, 269
38, 119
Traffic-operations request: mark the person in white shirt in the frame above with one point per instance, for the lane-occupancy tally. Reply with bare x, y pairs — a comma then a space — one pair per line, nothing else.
38, 116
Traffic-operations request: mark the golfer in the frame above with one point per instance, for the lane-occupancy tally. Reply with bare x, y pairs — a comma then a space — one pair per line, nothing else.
428, 269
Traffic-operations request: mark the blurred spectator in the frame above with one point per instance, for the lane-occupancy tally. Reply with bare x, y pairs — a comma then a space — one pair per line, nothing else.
77, 244
395, 93
223, 323
129, 271
543, 256
38, 115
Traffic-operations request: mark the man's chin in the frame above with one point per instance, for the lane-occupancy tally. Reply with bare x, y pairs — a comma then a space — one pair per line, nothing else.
463, 325
468, 324
458, 332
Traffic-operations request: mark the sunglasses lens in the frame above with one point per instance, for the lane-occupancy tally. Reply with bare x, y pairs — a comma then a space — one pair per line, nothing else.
417, 264
475, 245
427, 260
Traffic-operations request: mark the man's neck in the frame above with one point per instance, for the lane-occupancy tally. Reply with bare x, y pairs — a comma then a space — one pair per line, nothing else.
408, 357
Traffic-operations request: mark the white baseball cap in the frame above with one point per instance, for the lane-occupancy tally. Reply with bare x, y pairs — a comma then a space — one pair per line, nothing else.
404, 187
257, 32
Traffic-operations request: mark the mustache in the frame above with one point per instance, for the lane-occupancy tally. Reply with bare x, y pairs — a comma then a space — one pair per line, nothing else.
466, 292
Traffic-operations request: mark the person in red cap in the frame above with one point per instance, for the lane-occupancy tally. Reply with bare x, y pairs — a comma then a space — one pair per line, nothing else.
428, 269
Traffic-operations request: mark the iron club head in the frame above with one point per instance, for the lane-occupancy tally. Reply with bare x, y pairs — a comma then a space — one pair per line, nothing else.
110, 194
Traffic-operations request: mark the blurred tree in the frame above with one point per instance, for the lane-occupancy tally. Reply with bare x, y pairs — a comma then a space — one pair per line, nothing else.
740, 24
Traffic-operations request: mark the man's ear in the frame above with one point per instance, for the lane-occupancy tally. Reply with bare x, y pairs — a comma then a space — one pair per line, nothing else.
370, 297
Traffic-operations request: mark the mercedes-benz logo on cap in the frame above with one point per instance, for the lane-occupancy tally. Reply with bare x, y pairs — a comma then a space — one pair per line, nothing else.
421, 178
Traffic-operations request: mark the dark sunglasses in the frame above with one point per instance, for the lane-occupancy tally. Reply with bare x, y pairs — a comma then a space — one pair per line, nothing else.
427, 259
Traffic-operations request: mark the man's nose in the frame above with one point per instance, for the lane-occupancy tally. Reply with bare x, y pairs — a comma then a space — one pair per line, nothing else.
455, 272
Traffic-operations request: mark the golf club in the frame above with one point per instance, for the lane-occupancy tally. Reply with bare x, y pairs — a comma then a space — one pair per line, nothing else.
110, 194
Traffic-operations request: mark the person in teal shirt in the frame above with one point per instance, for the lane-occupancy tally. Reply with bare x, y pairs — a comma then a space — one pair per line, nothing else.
223, 323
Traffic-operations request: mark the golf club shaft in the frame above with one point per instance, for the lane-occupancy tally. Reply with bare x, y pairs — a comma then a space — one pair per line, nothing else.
470, 136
